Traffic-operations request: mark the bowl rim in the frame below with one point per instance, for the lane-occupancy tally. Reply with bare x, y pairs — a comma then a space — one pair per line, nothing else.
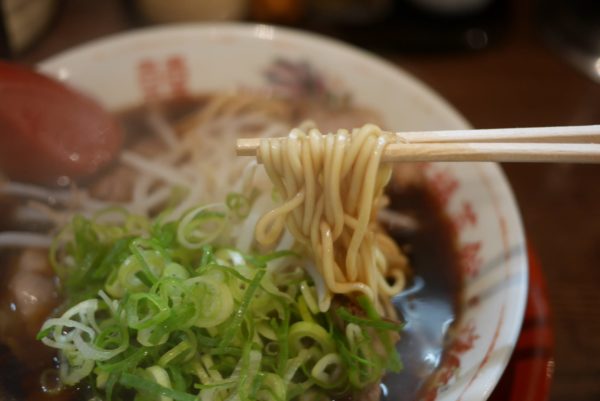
246, 29
390, 70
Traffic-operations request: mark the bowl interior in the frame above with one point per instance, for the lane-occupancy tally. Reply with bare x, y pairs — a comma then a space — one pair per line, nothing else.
128, 69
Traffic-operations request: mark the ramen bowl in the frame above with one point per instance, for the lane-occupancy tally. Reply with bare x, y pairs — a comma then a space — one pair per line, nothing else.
167, 62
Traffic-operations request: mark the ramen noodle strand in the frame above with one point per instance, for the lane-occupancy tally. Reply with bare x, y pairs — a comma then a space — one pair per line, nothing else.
335, 179
270, 226
331, 188
365, 212
310, 188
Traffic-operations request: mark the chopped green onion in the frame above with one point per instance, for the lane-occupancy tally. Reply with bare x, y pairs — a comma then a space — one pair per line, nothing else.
238, 204
376, 324
145, 310
150, 387
236, 320
161, 310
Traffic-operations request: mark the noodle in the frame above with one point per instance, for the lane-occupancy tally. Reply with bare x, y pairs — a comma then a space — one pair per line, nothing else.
332, 187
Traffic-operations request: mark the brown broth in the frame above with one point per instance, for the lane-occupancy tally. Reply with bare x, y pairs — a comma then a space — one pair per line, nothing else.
430, 304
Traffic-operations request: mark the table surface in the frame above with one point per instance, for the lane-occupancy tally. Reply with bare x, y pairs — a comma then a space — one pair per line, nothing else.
517, 82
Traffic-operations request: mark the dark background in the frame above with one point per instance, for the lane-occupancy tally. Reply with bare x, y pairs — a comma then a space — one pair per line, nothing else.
512, 78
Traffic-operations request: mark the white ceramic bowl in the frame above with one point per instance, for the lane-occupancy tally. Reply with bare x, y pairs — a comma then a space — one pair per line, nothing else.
125, 69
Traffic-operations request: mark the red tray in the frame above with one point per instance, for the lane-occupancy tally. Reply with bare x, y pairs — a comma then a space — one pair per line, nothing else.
529, 372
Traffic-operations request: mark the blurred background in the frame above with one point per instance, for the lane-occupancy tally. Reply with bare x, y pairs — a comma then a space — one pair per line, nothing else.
501, 63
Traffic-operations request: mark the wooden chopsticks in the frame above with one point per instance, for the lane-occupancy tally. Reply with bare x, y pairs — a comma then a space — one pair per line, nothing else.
574, 144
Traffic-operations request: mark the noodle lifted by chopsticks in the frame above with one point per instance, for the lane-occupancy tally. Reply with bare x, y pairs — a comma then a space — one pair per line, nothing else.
332, 187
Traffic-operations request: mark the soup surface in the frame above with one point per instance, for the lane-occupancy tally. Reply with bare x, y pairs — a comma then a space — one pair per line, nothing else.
431, 302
